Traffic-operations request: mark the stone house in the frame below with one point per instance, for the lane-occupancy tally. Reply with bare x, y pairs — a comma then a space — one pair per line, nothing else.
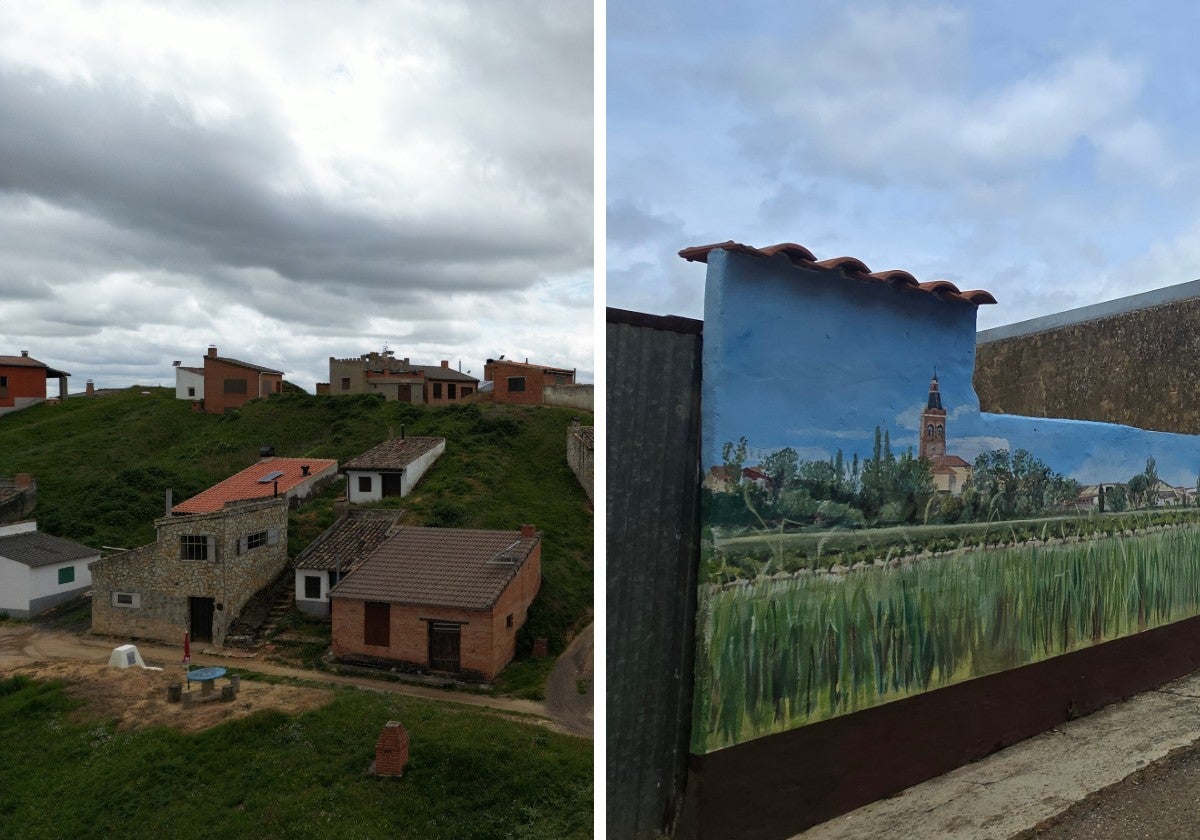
197, 575
392, 468
398, 379
38, 571
23, 382
442, 600
339, 550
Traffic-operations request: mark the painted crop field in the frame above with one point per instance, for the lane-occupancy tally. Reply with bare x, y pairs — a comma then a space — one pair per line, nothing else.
778, 653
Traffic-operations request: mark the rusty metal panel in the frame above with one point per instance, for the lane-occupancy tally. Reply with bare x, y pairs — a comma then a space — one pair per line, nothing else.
653, 451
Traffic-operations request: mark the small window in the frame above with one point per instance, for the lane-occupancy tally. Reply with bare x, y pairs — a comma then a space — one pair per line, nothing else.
256, 540
509, 621
312, 587
66, 574
345, 383
126, 599
452, 391
236, 386
191, 392
364, 484
193, 547
515, 384
437, 390
560, 380
3, 381
466, 390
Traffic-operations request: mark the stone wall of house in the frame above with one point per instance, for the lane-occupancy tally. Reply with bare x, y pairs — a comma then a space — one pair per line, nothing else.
580, 397
18, 497
163, 581
1138, 368
581, 454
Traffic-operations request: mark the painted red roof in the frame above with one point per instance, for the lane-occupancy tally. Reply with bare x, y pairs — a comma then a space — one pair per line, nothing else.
245, 485
852, 267
948, 461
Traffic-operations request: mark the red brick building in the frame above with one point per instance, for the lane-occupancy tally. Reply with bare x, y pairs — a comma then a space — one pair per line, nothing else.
23, 381
443, 600
521, 382
231, 383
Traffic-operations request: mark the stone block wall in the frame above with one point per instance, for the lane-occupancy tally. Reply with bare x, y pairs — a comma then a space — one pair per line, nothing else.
162, 582
579, 397
18, 497
581, 455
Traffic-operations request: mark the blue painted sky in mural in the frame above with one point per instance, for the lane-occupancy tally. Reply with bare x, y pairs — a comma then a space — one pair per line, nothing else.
1041, 150
815, 361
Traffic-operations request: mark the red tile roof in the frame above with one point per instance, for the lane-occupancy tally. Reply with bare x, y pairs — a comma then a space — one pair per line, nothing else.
250, 365
801, 257
948, 461
245, 485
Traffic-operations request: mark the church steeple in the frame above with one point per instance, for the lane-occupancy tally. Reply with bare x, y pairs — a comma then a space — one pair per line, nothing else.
933, 423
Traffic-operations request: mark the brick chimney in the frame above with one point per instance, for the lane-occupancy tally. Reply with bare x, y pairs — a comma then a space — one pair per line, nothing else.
528, 531
91, 388
212, 350
391, 750
24, 354
445, 363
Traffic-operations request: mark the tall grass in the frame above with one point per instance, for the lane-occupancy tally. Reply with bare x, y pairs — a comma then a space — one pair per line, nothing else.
777, 654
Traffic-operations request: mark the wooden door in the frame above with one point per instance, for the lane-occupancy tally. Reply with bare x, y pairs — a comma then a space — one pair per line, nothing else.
444, 646
201, 612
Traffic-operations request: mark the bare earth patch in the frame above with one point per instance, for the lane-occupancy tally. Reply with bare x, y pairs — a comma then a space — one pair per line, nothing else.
137, 699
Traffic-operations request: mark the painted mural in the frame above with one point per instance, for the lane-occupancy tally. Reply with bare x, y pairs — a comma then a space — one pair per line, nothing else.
869, 534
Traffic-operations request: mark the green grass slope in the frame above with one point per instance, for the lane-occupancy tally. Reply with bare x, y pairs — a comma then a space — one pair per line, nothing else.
102, 466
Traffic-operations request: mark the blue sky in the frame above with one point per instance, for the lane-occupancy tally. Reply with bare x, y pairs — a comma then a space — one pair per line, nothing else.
1042, 151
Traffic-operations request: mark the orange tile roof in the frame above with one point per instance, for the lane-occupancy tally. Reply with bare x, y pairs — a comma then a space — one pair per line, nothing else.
851, 267
244, 485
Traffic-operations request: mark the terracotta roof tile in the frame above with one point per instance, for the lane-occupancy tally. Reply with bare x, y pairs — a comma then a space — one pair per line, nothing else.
801, 257
445, 567
393, 453
350, 540
21, 361
245, 484
948, 461
532, 366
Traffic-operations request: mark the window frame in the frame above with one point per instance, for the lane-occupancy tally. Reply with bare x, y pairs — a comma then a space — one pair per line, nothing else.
237, 387
69, 577
516, 384
195, 548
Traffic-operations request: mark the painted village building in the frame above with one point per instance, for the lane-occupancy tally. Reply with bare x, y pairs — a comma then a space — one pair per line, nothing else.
339, 550
23, 382
521, 382
950, 472
224, 384
39, 571
392, 468
442, 600
398, 379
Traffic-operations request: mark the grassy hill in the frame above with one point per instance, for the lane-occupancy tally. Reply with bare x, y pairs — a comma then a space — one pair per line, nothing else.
102, 466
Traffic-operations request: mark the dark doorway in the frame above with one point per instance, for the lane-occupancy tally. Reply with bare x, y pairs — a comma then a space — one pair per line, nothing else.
393, 484
376, 623
443, 646
201, 613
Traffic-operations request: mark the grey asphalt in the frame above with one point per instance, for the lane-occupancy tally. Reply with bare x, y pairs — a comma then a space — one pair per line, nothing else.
1130, 770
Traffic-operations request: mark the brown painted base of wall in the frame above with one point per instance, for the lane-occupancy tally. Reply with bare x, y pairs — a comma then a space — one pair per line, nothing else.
776, 786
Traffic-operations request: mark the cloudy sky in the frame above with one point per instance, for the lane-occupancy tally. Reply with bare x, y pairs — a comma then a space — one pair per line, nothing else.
289, 183
1041, 150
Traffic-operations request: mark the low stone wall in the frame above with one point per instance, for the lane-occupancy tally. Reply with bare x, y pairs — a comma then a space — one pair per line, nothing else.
581, 455
569, 396
18, 498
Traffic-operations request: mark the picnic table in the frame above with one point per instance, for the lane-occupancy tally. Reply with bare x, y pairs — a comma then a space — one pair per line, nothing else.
206, 677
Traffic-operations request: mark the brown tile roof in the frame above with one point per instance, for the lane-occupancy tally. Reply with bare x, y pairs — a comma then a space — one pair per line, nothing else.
240, 363
801, 257
444, 567
430, 371
948, 461
393, 453
543, 368
26, 361
35, 549
245, 485
349, 541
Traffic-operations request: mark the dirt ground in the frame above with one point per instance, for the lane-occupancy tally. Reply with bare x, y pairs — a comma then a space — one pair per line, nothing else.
137, 698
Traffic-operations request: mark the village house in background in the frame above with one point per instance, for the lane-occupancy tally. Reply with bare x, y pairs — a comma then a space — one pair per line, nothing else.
445, 600
950, 472
337, 552
198, 574
224, 384
522, 383
38, 571
721, 480
292, 478
23, 382
398, 379
18, 497
392, 468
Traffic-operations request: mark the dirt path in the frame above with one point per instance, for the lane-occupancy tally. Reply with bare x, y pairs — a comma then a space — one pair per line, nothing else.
567, 704
22, 644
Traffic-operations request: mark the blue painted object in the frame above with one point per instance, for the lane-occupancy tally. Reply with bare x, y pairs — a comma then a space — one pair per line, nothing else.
205, 674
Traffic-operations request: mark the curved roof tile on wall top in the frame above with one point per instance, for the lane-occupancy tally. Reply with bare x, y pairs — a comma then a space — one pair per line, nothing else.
800, 256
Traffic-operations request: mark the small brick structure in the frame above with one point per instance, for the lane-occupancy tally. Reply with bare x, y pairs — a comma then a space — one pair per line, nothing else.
541, 648
391, 750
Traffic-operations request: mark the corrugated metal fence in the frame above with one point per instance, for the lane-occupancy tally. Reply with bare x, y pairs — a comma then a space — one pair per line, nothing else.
653, 452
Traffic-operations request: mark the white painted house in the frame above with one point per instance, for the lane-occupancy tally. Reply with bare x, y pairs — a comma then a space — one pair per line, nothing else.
339, 550
189, 382
38, 571
392, 468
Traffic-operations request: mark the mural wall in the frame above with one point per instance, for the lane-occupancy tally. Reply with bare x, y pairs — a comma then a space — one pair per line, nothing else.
869, 534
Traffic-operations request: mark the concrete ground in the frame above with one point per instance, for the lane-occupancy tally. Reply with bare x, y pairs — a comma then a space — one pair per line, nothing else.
1029, 789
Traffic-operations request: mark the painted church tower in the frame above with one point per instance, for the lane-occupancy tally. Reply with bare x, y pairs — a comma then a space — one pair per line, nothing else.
933, 423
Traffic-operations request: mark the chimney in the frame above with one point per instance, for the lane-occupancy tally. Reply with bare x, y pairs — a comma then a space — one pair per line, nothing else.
168, 501
445, 363
528, 531
24, 354
91, 388
304, 469
212, 350
23, 480
391, 750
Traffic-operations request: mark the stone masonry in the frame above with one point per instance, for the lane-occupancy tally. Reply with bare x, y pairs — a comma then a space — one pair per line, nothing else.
581, 454
154, 582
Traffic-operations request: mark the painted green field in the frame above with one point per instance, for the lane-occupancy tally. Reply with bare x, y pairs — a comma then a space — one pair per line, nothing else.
777, 654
